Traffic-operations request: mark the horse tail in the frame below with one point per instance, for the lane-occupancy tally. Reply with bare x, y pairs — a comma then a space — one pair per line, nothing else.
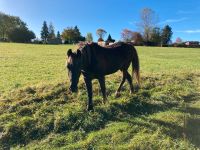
136, 66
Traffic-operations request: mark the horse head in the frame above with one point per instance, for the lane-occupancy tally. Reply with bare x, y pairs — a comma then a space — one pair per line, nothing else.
74, 69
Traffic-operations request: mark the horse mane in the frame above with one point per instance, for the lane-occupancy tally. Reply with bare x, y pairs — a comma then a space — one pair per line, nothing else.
86, 53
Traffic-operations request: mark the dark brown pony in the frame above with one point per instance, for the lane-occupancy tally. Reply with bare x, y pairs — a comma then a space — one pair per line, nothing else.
94, 62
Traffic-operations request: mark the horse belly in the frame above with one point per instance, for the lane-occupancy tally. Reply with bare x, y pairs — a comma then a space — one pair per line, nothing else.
110, 68
111, 62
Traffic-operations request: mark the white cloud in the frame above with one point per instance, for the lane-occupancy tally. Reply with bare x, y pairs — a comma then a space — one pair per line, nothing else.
189, 31
173, 20
185, 12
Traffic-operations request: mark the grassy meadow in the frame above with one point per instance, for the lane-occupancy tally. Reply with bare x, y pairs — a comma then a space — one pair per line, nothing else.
37, 111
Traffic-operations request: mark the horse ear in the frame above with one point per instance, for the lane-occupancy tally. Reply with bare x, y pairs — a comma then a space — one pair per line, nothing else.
69, 52
78, 53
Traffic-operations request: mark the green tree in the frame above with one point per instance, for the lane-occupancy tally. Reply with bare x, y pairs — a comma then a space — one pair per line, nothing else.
51, 32
44, 32
8, 23
77, 34
109, 39
21, 35
68, 35
89, 37
156, 36
72, 35
166, 35
58, 37
5, 23
101, 33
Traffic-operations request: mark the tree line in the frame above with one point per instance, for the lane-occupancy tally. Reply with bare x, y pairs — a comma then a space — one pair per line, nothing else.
71, 35
150, 34
157, 36
13, 29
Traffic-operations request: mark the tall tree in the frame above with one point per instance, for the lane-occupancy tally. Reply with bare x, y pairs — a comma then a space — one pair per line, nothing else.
127, 35
77, 34
156, 36
166, 35
89, 37
51, 32
58, 37
148, 22
68, 35
44, 32
101, 33
109, 39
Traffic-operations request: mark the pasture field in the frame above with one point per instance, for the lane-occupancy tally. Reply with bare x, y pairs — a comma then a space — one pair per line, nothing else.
37, 112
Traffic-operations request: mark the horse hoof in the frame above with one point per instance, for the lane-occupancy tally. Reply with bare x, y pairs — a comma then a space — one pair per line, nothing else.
117, 94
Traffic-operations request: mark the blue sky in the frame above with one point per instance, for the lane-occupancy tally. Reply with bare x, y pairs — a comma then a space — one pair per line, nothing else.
112, 15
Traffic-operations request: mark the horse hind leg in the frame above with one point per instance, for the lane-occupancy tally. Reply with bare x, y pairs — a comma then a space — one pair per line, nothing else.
130, 81
117, 93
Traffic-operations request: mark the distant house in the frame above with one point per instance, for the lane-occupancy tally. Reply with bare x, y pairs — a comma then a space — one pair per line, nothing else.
111, 43
102, 43
192, 43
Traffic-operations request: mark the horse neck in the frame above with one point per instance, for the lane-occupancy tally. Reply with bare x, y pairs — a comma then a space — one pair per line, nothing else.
85, 59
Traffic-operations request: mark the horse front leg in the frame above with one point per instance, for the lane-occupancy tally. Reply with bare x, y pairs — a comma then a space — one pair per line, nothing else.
103, 88
88, 83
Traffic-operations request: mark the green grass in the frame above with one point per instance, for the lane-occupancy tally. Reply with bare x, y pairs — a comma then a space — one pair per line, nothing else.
23, 65
37, 112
